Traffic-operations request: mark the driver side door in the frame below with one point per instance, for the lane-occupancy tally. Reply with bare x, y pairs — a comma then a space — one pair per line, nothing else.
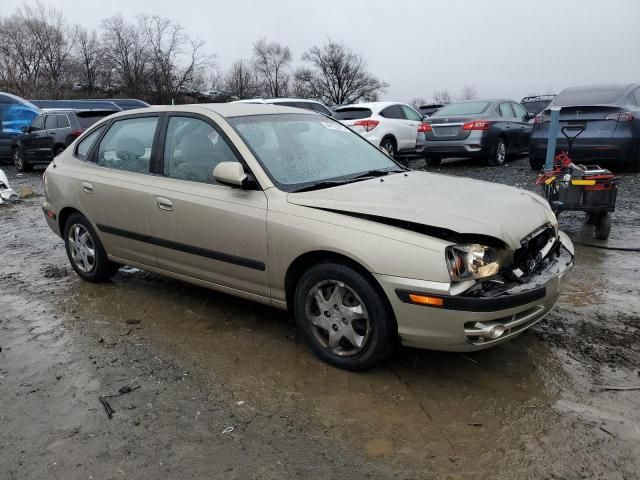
202, 229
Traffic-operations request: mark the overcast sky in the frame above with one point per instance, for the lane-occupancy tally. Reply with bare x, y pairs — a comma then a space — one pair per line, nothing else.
505, 48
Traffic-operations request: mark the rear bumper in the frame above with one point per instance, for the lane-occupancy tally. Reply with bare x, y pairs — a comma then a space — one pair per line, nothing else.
474, 145
590, 150
462, 323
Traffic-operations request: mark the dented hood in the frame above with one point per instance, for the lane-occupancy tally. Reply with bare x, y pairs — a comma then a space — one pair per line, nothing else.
462, 205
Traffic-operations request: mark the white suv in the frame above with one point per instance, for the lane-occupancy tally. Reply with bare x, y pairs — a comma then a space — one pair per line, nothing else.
393, 126
291, 102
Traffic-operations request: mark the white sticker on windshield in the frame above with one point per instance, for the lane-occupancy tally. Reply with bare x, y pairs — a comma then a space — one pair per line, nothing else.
335, 126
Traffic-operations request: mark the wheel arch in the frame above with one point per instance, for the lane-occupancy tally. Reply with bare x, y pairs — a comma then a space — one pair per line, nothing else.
64, 215
392, 137
309, 259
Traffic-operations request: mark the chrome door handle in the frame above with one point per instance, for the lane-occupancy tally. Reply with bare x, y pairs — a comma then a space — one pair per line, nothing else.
87, 187
164, 203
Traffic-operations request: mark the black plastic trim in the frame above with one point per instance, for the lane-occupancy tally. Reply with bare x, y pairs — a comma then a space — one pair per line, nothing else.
181, 247
475, 304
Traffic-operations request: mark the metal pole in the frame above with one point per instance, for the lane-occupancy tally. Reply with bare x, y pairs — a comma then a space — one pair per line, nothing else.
554, 126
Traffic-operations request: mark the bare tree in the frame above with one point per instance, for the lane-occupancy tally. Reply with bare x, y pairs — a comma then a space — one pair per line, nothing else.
49, 32
241, 80
88, 57
174, 60
442, 97
338, 76
468, 92
417, 102
127, 49
20, 57
272, 62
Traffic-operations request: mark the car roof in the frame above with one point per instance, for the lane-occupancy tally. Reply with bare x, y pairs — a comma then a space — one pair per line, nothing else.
276, 100
75, 110
371, 105
227, 110
600, 86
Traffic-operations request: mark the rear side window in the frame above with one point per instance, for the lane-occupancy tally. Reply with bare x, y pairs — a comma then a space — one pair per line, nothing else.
588, 96
51, 122
505, 110
411, 114
192, 150
353, 113
62, 121
84, 146
87, 119
393, 111
127, 144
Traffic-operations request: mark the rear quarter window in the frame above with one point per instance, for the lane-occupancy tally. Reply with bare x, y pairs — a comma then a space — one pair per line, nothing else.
84, 146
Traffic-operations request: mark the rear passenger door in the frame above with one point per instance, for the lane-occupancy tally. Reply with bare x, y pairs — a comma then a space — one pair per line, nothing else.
397, 124
203, 229
114, 187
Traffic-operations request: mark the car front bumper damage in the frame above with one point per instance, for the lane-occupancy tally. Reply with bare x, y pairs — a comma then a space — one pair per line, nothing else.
467, 323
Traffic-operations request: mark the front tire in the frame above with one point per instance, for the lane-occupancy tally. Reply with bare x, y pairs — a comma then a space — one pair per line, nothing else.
498, 155
432, 160
19, 161
603, 226
85, 251
342, 317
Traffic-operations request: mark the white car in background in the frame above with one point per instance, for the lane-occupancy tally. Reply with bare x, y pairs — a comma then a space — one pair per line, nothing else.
291, 102
393, 126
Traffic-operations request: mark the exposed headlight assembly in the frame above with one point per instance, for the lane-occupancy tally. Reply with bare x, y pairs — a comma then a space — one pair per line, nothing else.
470, 261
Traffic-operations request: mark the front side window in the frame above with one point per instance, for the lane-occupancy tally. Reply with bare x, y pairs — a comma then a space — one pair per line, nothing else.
127, 145
297, 150
411, 114
521, 113
63, 121
38, 124
192, 150
84, 146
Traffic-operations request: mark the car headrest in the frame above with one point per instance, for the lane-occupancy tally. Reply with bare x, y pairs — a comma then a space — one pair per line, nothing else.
129, 148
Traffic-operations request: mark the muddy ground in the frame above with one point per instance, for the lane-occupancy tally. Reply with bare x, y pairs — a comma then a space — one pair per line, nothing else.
201, 364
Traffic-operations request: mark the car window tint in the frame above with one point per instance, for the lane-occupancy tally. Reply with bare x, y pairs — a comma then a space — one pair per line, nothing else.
51, 122
316, 107
505, 110
84, 146
521, 113
38, 123
464, 108
127, 145
411, 114
352, 113
63, 121
589, 95
192, 150
393, 111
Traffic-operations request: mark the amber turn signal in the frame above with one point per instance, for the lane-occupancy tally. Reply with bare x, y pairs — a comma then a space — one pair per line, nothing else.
426, 300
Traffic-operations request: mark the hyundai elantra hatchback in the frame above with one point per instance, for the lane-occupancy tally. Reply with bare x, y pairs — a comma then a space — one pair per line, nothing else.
292, 209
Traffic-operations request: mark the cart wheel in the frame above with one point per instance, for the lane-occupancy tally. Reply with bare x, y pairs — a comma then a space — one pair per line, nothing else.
592, 218
603, 226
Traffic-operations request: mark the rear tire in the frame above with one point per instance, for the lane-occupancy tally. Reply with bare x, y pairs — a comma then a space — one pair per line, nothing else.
389, 145
498, 155
58, 150
19, 161
432, 160
359, 307
85, 251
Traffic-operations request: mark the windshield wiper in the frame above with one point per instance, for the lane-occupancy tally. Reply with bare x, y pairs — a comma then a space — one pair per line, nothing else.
377, 173
321, 185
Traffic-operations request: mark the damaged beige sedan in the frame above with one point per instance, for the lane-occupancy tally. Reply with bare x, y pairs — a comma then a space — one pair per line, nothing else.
290, 208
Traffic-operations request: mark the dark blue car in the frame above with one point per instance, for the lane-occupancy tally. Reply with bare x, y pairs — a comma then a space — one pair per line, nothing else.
610, 117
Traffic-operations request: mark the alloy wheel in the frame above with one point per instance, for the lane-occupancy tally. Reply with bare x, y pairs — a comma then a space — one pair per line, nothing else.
81, 246
339, 319
18, 159
501, 152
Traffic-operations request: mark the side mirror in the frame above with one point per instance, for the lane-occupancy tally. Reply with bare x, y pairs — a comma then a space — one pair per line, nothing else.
424, 117
531, 116
25, 128
231, 174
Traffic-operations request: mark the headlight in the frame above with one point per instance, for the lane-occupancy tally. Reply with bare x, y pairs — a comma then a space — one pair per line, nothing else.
469, 261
